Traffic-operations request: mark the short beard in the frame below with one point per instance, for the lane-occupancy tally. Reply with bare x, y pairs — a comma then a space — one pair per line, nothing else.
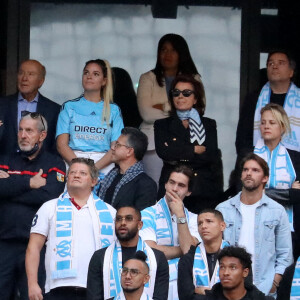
130, 291
250, 188
128, 237
29, 152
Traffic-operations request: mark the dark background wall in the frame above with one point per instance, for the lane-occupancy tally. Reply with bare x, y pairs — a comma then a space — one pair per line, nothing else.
259, 33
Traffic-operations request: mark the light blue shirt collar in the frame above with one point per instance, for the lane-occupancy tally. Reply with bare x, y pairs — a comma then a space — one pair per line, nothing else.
21, 98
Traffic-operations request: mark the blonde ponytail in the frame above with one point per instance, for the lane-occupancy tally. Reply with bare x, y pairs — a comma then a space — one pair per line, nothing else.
107, 94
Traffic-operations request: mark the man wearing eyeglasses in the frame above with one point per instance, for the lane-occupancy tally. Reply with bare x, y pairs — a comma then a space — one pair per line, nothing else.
27, 180
31, 76
104, 281
134, 276
127, 184
74, 225
169, 226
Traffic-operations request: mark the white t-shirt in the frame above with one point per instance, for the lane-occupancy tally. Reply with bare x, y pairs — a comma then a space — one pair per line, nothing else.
149, 234
84, 241
247, 238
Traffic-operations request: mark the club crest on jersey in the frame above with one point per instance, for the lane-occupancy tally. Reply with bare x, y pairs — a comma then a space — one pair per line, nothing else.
60, 177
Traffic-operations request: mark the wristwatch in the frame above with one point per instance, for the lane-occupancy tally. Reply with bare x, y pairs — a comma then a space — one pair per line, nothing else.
181, 220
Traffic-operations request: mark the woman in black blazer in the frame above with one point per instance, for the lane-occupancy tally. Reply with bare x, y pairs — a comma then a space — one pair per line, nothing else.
188, 138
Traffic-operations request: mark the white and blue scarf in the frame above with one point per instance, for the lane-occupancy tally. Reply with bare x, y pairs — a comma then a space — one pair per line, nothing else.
282, 173
200, 269
164, 231
295, 290
113, 264
292, 108
197, 131
63, 264
129, 175
121, 296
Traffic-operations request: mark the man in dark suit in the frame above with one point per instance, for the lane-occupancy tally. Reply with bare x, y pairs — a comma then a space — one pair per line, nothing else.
127, 184
31, 77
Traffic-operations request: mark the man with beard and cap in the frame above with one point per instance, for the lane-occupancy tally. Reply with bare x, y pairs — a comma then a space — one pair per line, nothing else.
104, 280
134, 276
259, 224
27, 180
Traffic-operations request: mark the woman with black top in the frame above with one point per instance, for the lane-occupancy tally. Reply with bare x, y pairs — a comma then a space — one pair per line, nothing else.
186, 137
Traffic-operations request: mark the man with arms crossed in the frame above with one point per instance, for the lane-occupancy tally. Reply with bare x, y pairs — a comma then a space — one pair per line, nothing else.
74, 225
198, 270
169, 226
104, 280
28, 179
259, 224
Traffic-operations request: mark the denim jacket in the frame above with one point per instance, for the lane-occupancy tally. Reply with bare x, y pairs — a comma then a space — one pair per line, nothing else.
273, 243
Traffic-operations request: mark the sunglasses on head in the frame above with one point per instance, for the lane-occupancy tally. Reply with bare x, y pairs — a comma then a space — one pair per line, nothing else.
33, 115
185, 93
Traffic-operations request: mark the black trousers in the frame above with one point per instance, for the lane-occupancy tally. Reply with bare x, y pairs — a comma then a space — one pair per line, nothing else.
66, 293
13, 279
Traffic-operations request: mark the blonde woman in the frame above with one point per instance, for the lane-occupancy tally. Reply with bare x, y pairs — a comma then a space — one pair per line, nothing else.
88, 125
283, 184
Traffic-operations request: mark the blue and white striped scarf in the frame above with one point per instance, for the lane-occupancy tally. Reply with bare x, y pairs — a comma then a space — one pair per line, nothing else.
292, 108
164, 230
197, 130
295, 290
200, 269
113, 264
129, 175
282, 173
63, 264
121, 296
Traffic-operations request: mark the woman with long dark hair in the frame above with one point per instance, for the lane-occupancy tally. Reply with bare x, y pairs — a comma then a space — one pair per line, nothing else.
186, 137
173, 58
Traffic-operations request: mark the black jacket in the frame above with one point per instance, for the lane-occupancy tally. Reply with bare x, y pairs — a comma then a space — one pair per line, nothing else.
173, 146
95, 289
186, 287
244, 132
140, 192
8, 136
18, 202
285, 285
217, 294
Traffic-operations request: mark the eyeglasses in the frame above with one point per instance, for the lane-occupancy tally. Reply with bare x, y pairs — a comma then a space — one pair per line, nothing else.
185, 93
33, 115
128, 219
132, 272
118, 145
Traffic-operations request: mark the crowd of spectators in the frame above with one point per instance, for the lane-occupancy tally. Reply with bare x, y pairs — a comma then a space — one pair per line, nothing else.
95, 210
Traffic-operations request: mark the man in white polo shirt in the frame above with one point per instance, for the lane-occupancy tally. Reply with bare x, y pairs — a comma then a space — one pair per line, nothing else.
73, 227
